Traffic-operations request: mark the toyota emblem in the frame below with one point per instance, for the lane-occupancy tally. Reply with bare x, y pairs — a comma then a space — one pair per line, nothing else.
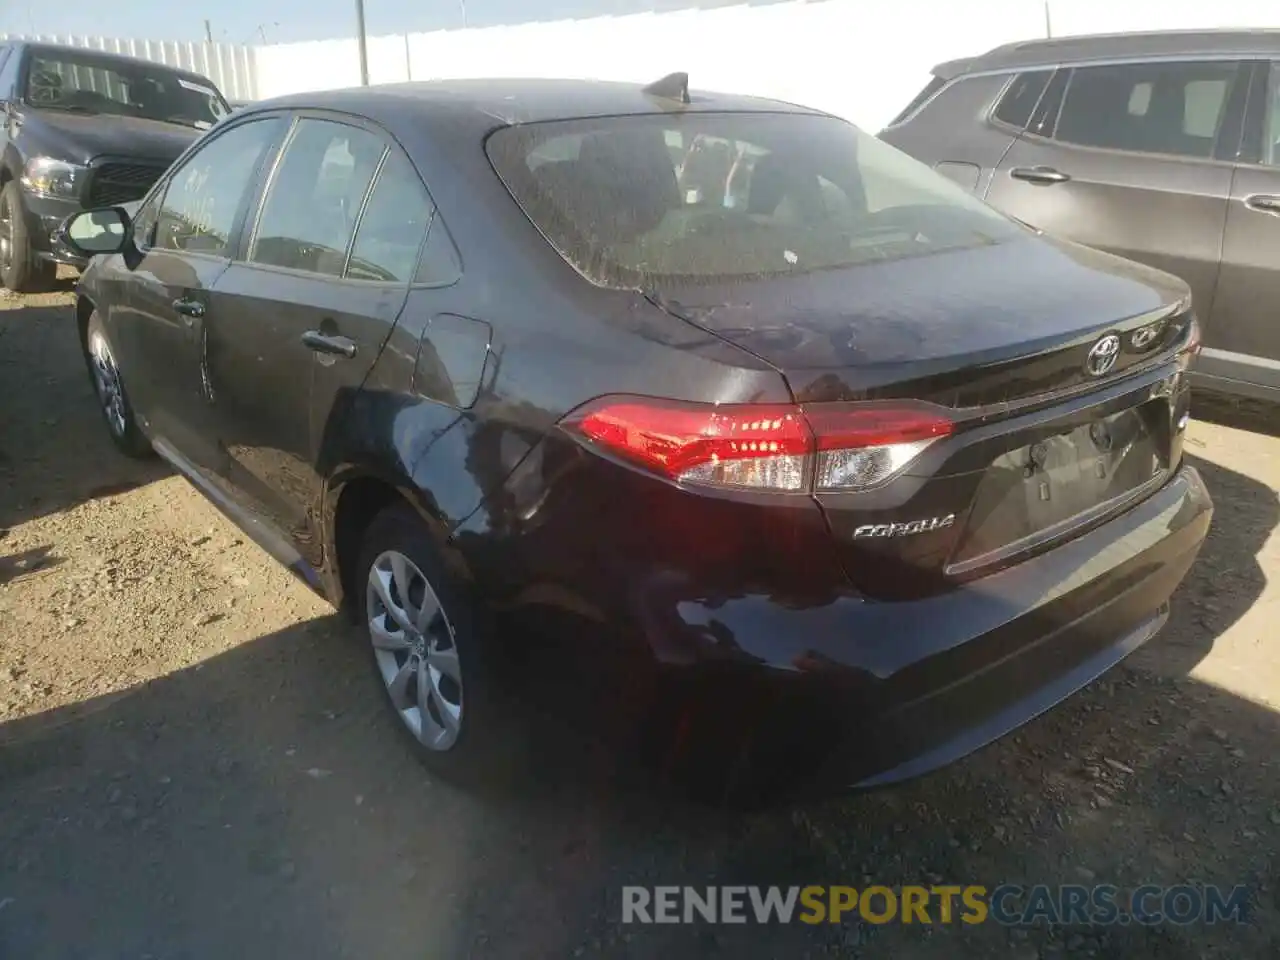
1102, 356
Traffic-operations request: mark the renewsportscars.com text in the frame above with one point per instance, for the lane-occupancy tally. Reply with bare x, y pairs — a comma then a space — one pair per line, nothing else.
1007, 904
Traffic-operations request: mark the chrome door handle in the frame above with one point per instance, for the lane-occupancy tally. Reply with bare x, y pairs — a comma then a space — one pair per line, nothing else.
1040, 175
1263, 203
327, 343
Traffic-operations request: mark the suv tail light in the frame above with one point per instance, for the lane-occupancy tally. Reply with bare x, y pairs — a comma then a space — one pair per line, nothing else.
784, 447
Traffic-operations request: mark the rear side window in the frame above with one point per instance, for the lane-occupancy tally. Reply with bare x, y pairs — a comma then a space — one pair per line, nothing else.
644, 201
392, 226
1165, 108
1021, 97
933, 86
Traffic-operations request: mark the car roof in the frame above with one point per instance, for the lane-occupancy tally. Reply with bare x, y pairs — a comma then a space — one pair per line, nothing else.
503, 102
1235, 44
124, 59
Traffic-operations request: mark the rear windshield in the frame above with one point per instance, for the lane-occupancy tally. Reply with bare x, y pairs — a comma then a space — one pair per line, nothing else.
642, 201
83, 83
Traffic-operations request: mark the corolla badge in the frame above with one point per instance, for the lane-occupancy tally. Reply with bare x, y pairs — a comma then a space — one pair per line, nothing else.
904, 529
1144, 337
1103, 355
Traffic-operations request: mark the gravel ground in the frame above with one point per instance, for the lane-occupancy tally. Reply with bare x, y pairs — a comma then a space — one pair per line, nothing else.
193, 765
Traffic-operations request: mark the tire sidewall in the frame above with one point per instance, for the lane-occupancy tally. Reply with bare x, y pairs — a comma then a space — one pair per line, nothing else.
132, 442
25, 273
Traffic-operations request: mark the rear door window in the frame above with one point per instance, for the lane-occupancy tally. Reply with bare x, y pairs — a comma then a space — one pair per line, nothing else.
309, 215
1161, 108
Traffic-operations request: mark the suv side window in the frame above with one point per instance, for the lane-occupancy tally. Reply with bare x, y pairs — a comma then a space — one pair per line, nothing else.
1166, 108
205, 194
1021, 97
309, 215
394, 221
1271, 131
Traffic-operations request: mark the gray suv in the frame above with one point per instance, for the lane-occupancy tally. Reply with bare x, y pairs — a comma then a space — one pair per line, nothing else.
1161, 147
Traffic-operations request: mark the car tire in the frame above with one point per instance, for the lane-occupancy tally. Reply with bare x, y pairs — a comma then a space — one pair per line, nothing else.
464, 734
20, 270
113, 399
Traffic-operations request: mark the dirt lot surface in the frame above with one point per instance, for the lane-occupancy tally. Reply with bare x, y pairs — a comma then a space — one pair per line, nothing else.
193, 763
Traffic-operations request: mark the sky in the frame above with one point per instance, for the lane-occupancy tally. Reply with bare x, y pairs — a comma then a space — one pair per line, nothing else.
283, 21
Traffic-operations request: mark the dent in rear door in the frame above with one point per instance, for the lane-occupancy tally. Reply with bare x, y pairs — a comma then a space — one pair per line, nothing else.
1126, 159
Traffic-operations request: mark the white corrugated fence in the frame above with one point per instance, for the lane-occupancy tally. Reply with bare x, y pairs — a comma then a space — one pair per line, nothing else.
857, 58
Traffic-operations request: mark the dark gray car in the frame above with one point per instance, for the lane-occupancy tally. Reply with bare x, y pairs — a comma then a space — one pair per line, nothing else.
1162, 147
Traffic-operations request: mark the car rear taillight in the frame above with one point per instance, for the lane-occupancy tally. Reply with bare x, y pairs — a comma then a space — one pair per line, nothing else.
783, 447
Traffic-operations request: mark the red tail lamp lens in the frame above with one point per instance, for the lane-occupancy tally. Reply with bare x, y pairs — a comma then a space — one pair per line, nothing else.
762, 446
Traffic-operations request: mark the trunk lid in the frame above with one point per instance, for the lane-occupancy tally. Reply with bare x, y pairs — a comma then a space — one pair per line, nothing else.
1053, 433
965, 328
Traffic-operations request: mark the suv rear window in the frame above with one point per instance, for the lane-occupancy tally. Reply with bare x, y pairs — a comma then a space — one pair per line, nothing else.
640, 201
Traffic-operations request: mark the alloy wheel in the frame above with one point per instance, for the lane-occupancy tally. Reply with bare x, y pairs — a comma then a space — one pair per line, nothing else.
415, 649
106, 378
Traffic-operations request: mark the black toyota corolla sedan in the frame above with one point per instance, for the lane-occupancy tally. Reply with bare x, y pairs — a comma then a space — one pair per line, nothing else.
714, 420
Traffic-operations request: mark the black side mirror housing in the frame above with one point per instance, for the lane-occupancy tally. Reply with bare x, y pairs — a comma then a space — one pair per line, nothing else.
91, 232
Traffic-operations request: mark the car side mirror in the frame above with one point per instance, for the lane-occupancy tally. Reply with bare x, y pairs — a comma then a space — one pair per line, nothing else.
105, 230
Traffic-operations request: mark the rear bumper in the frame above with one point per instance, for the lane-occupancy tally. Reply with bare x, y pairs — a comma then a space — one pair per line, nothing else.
867, 693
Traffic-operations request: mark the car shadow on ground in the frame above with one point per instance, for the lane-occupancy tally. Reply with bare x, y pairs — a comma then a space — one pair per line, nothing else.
26, 563
55, 452
261, 804
1228, 577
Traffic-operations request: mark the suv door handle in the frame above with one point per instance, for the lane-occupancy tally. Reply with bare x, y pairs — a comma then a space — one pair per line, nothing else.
1041, 175
1263, 203
326, 343
188, 308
